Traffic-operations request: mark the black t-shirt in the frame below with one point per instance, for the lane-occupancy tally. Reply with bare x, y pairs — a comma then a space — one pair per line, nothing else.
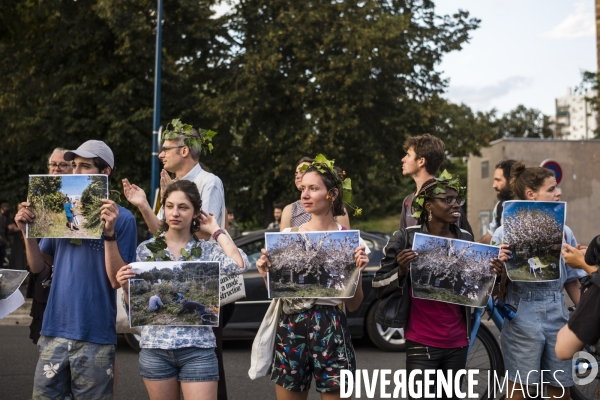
585, 320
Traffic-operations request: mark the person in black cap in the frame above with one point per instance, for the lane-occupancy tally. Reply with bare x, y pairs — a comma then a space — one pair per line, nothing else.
77, 346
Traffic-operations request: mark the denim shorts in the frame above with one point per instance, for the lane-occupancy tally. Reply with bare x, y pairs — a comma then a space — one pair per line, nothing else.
69, 219
528, 340
189, 364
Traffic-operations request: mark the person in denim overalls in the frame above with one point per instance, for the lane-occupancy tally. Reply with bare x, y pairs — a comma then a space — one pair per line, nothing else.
528, 340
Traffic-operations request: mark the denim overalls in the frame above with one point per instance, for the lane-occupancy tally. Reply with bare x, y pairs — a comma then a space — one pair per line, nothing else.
528, 340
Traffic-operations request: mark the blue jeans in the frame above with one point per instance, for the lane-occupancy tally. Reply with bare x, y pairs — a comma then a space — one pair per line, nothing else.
188, 364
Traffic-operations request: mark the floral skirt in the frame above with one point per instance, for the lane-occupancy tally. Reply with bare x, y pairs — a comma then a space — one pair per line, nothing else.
315, 342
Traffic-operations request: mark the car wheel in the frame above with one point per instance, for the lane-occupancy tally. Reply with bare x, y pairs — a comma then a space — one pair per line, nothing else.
133, 340
386, 338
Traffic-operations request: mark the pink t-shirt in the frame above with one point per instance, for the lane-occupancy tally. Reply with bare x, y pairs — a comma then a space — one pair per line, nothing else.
436, 324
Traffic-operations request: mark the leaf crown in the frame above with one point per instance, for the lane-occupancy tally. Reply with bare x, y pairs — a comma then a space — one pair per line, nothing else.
198, 139
439, 185
343, 184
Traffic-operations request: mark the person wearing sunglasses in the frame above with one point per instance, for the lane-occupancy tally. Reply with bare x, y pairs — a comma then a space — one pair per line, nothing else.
436, 333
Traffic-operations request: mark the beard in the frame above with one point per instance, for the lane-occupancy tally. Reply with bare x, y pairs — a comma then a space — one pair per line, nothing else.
504, 194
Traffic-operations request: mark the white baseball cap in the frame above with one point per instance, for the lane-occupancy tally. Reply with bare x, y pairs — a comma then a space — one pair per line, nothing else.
92, 149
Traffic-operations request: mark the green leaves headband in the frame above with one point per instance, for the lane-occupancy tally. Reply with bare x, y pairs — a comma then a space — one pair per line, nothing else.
442, 182
199, 141
344, 185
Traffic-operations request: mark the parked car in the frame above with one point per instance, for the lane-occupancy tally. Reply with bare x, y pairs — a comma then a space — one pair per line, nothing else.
250, 310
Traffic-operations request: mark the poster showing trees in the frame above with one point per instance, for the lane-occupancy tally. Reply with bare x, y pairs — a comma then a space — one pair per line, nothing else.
534, 232
174, 293
452, 270
66, 206
10, 281
312, 264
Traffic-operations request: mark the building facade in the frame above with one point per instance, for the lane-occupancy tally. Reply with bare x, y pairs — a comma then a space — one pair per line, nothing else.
575, 119
580, 183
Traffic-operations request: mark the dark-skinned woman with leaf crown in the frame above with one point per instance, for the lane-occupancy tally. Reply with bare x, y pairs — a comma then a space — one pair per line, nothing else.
174, 358
312, 334
437, 333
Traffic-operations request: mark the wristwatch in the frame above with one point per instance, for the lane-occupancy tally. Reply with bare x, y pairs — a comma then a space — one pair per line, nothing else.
110, 238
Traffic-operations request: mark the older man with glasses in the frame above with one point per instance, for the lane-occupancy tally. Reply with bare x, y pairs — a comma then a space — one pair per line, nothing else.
57, 164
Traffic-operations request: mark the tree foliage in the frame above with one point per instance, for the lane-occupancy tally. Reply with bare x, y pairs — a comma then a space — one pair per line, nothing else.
45, 191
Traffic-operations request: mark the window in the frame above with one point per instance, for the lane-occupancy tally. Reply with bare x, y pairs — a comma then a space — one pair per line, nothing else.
485, 169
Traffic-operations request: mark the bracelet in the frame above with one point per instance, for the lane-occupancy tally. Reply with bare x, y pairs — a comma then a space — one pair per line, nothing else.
217, 233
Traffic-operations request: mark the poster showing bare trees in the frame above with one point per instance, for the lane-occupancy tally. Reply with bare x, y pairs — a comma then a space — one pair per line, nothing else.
66, 206
312, 264
452, 270
174, 293
534, 232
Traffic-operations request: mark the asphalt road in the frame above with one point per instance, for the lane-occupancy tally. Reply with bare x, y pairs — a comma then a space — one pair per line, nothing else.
18, 357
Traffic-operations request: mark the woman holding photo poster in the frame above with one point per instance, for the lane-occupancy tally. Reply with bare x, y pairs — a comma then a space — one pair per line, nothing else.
437, 333
312, 335
174, 358
528, 340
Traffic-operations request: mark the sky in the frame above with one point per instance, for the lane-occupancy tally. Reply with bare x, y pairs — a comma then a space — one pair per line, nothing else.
525, 52
74, 185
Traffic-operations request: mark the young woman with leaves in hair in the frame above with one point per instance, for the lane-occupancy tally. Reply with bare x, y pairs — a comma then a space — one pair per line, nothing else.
437, 333
294, 214
174, 358
312, 335
529, 339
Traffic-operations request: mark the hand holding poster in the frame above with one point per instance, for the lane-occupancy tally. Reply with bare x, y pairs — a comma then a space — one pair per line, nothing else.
66, 206
534, 232
452, 270
174, 293
312, 264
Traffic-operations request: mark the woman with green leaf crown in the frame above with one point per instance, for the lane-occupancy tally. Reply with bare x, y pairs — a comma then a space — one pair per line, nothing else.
312, 334
174, 358
294, 214
437, 334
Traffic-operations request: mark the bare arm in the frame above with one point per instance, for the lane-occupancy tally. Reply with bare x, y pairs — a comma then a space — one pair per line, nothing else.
286, 218
362, 260
344, 220
137, 197
486, 239
209, 225
573, 291
112, 256
567, 343
35, 258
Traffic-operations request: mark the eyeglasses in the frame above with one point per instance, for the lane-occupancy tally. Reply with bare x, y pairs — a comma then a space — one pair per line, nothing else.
165, 148
62, 165
451, 200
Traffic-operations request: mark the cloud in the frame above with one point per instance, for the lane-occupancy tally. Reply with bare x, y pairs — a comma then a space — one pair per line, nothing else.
482, 95
579, 23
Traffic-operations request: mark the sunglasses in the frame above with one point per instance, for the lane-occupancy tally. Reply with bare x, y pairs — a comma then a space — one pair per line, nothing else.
451, 200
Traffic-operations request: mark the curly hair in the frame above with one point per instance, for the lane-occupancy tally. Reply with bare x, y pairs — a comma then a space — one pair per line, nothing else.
331, 183
429, 147
191, 192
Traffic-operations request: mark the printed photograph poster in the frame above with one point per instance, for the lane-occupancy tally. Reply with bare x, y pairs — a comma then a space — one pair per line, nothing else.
534, 231
312, 264
452, 270
174, 293
66, 206
10, 281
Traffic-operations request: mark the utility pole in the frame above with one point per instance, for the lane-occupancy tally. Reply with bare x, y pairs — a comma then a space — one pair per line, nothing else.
156, 116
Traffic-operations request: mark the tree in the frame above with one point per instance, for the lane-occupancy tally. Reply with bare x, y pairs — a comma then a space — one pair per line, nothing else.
349, 80
45, 191
523, 122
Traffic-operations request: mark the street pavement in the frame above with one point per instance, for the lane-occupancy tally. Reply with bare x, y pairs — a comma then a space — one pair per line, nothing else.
18, 357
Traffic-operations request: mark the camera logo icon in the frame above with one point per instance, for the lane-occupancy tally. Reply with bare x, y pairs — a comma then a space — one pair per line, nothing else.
583, 362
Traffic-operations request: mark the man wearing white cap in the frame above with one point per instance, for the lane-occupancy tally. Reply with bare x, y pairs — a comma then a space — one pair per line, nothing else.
77, 346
